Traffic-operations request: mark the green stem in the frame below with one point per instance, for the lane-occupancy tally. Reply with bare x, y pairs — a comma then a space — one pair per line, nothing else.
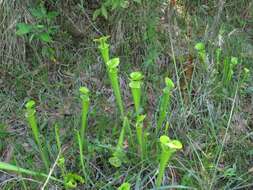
85, 109
218, 58
136, 93
139, 133
145, 144
113, 75
163, 109
13, 168
135, 85
119, 147
164, 159
30, 115
86, 176
168, 147
104, 50
61, 161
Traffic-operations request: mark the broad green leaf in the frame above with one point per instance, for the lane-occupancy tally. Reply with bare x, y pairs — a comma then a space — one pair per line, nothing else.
23, 28
45, 37
39, 12
52, 14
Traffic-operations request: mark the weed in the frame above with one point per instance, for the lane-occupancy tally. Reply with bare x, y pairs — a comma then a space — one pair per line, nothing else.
42, 30
113, 5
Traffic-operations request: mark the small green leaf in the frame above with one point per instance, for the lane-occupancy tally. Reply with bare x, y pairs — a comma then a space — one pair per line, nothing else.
96, 14
52, 14
116, 4
45, 37
23, 28
39, 12
48, 52
104, 12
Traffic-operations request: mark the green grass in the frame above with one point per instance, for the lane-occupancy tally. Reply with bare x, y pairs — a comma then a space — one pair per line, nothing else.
212, 120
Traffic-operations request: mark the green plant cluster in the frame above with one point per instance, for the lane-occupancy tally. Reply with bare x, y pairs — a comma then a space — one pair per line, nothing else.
111, 5
42, 30
145, 137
